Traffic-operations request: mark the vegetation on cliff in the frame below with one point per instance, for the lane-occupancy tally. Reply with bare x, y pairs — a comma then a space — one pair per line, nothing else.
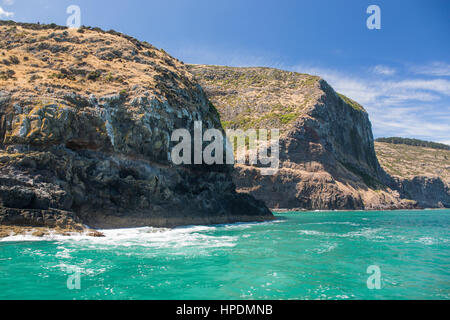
250, 97
421, 173
327, 155
408, 161
328, 158
414, 142
86, 118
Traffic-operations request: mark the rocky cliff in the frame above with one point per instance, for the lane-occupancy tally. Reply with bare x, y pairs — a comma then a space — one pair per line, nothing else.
86, 118
327, 153
420, 173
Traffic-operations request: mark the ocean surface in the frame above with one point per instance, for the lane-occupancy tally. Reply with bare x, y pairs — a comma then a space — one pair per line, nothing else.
302, 255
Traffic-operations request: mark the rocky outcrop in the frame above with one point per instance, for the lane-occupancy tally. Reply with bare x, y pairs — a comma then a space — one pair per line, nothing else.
85, 126
429, 192
327, 154
419, 173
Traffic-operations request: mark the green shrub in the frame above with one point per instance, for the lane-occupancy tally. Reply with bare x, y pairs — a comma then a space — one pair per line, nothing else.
355, 105
123, 93
414, 142
93, 75
287, 118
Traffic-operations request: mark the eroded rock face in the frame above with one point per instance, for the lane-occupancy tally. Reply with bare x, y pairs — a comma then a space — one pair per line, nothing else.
430, 192
419, 173
327, 153
95, 149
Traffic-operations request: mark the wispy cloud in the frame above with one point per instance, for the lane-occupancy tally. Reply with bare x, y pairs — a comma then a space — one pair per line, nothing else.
413, 125
409, 106
438, 69
8, 2
438, 85
383, 70
400, 101
5, 14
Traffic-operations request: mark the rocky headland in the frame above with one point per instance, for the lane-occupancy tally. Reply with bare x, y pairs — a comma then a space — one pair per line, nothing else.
420, 173
327, 152
86, 118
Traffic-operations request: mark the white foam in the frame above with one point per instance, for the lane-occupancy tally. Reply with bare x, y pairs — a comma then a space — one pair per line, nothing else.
428, 241
369, 233
64, 253
312, 233
145, 237
77, 268
333, 223
326, 247
195, 236
162, 238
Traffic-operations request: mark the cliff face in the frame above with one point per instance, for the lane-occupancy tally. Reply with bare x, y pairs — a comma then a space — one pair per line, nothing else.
420, 173
429, 192
327, 154
85, 124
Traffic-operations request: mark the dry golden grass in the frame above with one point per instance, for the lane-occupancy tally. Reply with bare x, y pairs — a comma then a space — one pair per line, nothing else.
257, 97
408, 161
77, 59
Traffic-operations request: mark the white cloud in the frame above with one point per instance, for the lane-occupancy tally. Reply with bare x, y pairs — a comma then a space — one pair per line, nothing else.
354, 87
438, 85
412, 122
439, 69
383, 70
5, 14
369, 90
410, 107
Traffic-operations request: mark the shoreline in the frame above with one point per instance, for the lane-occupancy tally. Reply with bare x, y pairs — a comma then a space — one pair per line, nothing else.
31, 234
51, 234
7, 231
352, 210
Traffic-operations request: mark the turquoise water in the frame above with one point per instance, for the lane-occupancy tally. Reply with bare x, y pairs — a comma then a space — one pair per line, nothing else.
312, 255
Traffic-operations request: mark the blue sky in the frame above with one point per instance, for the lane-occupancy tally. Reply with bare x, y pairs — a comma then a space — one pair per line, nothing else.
401, 73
